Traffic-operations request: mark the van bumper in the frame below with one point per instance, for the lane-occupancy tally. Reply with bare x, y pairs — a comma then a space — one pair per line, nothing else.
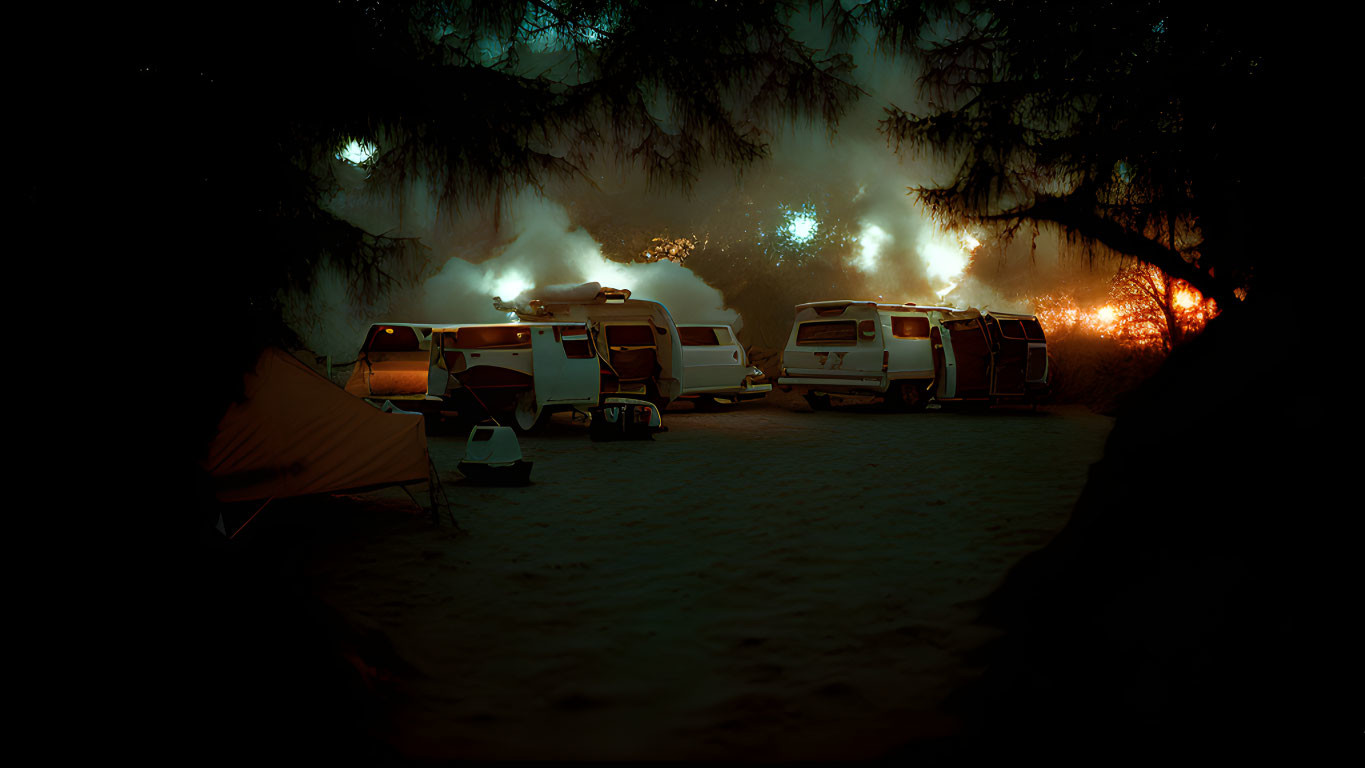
803, 384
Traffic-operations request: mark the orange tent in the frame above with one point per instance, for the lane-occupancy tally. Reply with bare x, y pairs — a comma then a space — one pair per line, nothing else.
296, 433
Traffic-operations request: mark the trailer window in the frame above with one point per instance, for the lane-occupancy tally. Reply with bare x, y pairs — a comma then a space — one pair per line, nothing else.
629, 336
391, 338
910, 327
1033, 331
493, 337
698, 337
837, 332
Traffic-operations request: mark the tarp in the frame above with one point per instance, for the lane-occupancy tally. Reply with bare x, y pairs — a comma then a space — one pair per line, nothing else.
297, 433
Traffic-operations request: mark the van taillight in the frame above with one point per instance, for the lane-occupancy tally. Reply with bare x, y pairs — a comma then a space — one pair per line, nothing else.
886, 360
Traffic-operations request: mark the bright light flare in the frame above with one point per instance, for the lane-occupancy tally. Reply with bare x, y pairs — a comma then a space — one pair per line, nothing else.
510, 285
944, 262
357, 152
801, 227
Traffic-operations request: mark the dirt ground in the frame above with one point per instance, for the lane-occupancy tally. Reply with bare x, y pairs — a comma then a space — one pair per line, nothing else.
762, 583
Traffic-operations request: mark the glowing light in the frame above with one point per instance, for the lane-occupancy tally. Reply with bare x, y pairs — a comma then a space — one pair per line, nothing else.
969, 242
801, 227
1106, 314
510, 285
870, 244
944, 261
357, 152
1186, 298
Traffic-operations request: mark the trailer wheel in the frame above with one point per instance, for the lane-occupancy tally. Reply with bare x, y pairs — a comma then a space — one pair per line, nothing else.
525, 417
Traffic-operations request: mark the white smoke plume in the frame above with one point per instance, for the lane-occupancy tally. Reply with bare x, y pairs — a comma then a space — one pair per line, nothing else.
547, 249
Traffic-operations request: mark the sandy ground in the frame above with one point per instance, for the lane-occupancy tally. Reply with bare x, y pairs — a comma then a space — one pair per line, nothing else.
762, 583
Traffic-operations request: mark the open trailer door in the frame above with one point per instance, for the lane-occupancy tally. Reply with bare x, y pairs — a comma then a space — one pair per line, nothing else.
392, 363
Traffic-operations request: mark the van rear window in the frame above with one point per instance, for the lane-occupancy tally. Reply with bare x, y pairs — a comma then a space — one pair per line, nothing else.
494, 337
1033, 330
698, 337
836, 332
630, 336
390, 338
910, 327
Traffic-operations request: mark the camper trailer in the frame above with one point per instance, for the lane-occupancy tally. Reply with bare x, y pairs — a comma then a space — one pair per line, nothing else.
635, 341
419, 368
716, 368
522, 371
909, 354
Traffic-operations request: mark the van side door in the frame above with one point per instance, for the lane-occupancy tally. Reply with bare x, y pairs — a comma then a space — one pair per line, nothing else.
712, 359
564, 366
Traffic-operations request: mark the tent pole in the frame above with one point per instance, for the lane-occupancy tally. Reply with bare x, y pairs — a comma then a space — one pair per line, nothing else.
249, 519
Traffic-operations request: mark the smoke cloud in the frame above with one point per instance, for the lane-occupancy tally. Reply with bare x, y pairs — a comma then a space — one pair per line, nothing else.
827, 216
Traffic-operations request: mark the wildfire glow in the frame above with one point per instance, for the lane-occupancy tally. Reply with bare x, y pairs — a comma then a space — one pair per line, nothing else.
1142, 307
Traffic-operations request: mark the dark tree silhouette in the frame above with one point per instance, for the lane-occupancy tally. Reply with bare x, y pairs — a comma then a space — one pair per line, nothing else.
224, 123
235, 118
1133, 126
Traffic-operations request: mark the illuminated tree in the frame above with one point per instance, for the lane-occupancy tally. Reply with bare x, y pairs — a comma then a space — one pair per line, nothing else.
1154, 308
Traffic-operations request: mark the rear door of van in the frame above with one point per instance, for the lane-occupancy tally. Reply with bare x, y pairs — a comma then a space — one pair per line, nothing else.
836, 344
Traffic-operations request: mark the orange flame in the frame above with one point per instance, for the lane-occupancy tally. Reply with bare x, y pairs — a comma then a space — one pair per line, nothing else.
1141, 306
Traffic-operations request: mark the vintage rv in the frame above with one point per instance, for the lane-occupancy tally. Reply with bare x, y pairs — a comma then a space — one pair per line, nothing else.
716, 368
910, 354
635, 341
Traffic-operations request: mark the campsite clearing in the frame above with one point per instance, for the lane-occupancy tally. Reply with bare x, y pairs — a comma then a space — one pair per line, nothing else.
761, 583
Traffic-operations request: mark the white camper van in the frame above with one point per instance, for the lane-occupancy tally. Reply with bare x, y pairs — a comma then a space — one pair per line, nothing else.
909, 354
715, 366
635, 340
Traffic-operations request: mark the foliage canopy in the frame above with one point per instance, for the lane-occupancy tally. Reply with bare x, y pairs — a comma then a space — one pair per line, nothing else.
1132, 125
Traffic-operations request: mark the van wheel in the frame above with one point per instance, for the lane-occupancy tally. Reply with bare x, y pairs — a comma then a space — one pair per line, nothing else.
818, 402
526, 418
912, 396
709, 403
